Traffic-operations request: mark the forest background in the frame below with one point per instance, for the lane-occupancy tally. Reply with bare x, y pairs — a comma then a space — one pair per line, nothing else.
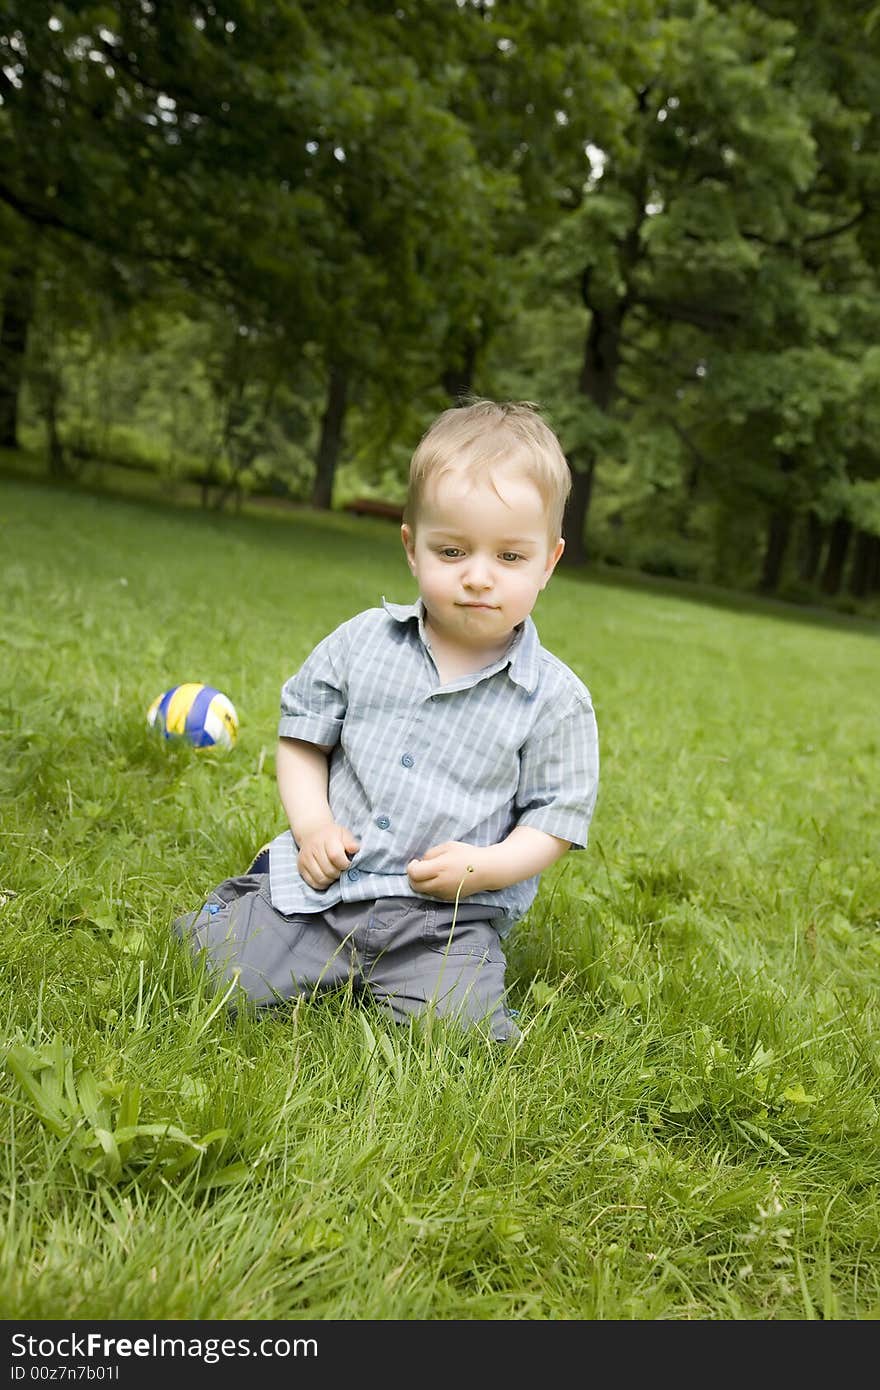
253, 247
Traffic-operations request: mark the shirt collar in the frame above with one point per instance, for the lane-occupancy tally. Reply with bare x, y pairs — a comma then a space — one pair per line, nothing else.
522, 657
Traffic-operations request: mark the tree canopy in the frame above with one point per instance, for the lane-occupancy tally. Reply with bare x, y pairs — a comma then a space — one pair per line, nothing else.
317, 225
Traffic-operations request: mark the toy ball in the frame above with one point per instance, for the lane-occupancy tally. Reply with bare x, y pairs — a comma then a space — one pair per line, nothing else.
196, 712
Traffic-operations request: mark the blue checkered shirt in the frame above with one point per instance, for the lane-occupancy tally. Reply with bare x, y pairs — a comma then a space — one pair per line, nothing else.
415, 762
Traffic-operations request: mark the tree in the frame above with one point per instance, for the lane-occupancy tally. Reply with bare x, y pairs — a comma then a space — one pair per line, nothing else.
669, 243
295, 162
18, 277
785, 405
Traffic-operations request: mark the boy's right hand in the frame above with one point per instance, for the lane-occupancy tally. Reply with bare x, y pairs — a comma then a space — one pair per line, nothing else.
324, 853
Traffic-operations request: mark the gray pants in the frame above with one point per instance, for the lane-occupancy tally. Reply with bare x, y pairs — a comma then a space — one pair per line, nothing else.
404, 951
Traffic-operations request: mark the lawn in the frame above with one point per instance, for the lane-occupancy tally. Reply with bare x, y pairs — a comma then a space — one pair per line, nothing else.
689, 1126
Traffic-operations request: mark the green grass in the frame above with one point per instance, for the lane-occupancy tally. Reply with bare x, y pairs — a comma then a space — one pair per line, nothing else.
689, 1127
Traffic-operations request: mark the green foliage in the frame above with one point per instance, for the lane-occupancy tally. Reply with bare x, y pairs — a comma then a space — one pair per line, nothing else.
100, 1125
272, 243
723, 246
195, 398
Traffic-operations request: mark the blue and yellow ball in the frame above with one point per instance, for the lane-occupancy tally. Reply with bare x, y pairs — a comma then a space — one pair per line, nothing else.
196, 712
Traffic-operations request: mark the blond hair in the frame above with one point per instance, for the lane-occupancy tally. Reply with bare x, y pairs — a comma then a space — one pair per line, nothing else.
483, 435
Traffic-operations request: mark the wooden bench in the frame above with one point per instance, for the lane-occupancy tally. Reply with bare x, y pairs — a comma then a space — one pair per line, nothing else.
372, 506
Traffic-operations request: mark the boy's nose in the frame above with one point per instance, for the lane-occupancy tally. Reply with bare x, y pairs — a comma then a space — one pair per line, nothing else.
478, 577
478, 573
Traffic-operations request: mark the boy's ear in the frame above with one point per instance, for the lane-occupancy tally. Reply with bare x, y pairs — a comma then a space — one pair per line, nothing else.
553, 559
408, 539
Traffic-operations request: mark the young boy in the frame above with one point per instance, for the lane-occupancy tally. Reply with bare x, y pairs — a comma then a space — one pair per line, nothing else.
433, 758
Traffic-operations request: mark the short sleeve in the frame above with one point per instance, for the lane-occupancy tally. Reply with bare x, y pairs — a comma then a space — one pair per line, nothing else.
314, 700
559, 777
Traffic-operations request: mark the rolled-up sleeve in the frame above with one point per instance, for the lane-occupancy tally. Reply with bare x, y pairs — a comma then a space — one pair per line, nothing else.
314, 700
559, 776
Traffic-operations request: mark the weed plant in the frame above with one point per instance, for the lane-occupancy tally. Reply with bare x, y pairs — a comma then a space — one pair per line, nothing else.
688, 1128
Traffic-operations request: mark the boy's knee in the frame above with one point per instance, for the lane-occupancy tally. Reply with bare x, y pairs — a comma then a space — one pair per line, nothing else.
243, 942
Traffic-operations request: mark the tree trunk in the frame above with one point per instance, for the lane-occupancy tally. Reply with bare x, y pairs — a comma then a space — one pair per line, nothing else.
458, 378
598, 382
874, 566
864, 564
778, 535
812, 540
57, 457
332, 425
835, 560
18, 301
576, 512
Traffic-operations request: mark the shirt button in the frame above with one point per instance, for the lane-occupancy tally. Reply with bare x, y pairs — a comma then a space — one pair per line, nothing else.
353, 874
407, 760
383, 822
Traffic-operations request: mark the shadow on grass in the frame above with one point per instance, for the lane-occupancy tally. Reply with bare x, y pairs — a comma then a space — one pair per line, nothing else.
266, 521
730, 600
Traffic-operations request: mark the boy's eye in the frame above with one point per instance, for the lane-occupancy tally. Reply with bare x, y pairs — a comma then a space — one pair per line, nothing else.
510, 555
451, 552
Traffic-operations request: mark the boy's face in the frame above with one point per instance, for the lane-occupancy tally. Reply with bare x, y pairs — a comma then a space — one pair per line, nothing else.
481, 555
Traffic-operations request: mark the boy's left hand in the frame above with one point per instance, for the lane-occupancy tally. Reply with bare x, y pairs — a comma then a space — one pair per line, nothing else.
444, 868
